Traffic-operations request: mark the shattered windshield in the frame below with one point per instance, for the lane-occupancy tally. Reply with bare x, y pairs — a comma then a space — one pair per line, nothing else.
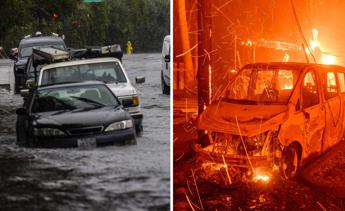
262, 85
107, 72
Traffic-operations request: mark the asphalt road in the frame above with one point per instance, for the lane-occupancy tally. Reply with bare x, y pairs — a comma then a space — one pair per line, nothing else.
106, 178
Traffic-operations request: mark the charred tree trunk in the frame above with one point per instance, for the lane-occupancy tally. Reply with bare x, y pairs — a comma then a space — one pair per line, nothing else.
204, 62
185, 42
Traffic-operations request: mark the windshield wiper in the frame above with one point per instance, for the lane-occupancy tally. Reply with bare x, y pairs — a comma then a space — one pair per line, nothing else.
98, 104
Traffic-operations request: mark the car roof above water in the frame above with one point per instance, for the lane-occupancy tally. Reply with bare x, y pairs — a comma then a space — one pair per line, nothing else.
45, 39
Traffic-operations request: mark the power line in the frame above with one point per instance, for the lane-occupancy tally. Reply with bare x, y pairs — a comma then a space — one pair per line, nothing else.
301, 31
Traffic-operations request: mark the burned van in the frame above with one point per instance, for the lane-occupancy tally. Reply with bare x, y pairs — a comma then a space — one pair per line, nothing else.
274, 116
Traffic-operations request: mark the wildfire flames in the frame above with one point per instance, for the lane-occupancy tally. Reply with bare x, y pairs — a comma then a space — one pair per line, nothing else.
315, 45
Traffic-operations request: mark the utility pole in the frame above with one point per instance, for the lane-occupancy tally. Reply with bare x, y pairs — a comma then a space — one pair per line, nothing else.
204, 62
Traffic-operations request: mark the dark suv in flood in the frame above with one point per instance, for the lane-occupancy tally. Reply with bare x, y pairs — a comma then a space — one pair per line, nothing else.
25, 50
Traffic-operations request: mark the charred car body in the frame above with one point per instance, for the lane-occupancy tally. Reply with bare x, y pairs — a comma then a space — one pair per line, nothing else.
274, 116
73, 114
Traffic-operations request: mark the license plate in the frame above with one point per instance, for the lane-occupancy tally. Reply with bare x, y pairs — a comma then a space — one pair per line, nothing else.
86, 142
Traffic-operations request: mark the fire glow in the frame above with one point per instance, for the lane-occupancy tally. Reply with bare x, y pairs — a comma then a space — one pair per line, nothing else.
327, 59
315, 44
264, 178
262, 175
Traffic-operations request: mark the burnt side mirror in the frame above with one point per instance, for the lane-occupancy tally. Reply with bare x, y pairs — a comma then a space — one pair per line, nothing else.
21, 112
167, 58
140, 79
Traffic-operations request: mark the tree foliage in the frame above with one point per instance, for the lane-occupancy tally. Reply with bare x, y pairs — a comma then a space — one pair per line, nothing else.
143, 22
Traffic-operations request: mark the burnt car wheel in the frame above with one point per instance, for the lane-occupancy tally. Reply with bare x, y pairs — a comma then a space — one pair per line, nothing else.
290, 162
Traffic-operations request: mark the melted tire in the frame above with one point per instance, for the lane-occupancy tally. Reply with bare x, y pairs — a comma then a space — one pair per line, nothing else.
289, 165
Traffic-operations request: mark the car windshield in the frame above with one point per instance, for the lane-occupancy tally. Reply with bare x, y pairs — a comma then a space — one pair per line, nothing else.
27, 51
107, 72
262, 85
73, 98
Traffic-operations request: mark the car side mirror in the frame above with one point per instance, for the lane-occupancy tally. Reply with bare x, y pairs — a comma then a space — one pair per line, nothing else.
24, 92
140, 79
167, 58
21, 111
30, 83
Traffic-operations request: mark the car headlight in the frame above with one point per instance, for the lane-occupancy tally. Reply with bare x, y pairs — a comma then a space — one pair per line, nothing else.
135, 100
120, 125
48, 132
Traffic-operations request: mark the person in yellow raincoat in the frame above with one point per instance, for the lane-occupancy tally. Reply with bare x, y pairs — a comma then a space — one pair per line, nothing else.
129, 47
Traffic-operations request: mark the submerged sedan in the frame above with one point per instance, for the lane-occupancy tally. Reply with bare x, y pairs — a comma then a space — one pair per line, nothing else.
74, 114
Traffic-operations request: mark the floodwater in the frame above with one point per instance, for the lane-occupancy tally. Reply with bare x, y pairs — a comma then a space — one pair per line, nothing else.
103, 178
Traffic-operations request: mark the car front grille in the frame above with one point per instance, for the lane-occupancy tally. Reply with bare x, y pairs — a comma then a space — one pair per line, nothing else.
86, 130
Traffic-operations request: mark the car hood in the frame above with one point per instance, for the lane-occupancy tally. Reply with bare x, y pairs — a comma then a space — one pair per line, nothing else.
22, 61
239, 119
122, 89
76, 119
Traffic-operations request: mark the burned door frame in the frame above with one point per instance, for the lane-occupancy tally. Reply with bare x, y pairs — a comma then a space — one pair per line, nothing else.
314, 118
334, 121
298, 128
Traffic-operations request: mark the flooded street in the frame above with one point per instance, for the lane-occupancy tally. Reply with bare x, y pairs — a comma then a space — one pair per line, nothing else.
104, 178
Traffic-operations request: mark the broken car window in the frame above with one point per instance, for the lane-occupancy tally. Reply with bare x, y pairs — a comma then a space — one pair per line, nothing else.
331, 89
341, 78
262, 85
310, 94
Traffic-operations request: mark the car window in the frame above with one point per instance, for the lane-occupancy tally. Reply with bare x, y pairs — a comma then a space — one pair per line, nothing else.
107, 72
331, 88
262, 85
310, 94
341, 78
71, 98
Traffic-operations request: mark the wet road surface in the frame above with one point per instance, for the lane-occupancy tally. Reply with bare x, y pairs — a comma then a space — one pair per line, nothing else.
104, 178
